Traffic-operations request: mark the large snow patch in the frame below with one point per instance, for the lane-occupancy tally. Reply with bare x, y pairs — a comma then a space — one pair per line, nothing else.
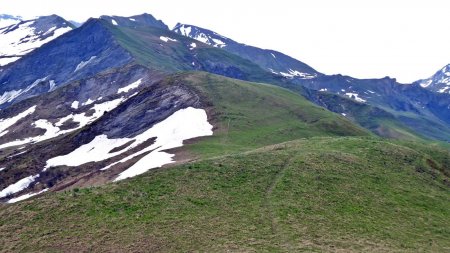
170, 133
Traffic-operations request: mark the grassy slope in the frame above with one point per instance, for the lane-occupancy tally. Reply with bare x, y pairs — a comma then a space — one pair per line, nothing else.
313, 194
321, 194
251, 115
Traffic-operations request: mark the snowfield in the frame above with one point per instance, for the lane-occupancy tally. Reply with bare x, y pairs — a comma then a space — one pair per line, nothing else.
170, 133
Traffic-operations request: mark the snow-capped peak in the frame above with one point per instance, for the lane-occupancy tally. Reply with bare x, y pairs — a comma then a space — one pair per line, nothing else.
439, 82
19, 39
208, 37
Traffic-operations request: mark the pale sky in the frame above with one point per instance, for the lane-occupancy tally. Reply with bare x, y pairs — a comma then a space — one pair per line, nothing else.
407, 40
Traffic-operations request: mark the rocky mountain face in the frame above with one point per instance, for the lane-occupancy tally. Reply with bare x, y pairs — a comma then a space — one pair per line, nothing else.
22, 37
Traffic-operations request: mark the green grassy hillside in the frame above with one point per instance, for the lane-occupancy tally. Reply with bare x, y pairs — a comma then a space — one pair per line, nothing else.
315, 195
251, 115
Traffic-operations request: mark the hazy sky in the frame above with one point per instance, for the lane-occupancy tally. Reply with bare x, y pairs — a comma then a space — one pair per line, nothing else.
408, 40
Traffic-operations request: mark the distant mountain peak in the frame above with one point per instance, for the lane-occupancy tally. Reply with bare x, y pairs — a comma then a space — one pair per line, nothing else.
439, 82
23, 37
144, 19
203, 35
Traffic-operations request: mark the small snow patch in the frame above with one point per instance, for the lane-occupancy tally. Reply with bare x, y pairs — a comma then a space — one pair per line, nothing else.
11, 156
426, 83
83, 64
273, 72
25, 196
9, 96
52, 85
50, 30
114, 22
218, 43
166, 39
323, 89
355, 96
202, 38
88, 102
75, 104
130, 87
18, 186
444, 89
294, 73
186, 31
